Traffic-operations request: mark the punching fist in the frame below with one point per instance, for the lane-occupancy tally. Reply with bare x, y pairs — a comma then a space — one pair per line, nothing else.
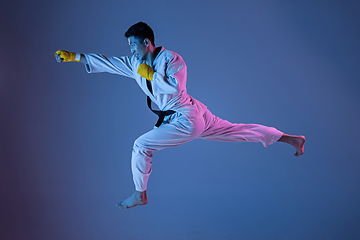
145, 71
64, 56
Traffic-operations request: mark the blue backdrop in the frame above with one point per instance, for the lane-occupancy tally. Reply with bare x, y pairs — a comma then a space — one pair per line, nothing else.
66, 136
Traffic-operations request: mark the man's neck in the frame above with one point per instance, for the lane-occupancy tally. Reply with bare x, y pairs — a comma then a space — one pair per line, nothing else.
153, 52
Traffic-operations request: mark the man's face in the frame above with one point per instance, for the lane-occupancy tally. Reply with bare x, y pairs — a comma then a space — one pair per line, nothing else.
138, 48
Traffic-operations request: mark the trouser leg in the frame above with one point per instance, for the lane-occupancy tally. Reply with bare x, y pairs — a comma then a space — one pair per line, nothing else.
174, 131
217, 129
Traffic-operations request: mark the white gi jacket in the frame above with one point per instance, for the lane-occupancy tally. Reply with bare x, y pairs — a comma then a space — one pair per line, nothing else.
169, 79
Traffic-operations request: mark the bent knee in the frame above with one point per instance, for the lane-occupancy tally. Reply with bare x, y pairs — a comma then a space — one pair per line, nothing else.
141, 146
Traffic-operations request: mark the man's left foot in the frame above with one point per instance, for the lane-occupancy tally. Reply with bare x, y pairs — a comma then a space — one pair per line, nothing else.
138, 198
298, 143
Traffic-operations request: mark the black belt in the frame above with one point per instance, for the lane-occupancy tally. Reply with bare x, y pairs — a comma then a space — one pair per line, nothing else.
161, 114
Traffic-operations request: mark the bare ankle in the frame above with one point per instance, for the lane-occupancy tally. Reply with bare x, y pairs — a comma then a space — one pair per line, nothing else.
286, 138
140, 195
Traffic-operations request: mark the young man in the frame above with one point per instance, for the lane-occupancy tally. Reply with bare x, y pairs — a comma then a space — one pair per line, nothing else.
161, 74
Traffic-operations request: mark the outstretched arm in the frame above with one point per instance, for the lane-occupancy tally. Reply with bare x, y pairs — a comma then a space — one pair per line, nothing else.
99, 63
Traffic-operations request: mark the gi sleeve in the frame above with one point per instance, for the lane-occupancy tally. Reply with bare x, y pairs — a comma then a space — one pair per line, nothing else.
174, 78
116, 65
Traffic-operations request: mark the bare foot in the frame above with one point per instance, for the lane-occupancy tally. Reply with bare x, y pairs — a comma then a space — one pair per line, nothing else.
298, 143
138, 198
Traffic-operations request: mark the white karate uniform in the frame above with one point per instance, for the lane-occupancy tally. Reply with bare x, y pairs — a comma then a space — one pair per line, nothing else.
191, 120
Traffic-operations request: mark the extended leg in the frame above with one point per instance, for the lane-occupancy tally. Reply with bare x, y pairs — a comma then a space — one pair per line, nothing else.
217, 129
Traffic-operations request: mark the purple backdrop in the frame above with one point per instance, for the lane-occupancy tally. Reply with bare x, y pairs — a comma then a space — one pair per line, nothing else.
66, 136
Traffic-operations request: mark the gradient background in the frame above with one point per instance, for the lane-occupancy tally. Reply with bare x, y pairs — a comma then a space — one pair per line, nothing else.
66, 136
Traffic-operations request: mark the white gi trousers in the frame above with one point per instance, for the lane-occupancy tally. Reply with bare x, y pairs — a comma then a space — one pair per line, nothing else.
177, 129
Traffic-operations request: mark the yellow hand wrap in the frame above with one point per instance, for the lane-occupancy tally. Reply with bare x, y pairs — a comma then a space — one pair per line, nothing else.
145, 71
66, 56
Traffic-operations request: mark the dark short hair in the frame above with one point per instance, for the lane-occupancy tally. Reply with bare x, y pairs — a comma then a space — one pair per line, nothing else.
141, 30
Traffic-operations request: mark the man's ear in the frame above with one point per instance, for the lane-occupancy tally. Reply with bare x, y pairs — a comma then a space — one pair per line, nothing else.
146, 42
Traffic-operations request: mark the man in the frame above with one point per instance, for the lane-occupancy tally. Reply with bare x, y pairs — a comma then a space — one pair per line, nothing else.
161, 74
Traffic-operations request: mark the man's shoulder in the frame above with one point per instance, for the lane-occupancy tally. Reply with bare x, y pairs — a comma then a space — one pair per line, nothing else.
169, 54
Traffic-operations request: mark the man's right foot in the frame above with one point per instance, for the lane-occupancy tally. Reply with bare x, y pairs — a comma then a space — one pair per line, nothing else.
298, 143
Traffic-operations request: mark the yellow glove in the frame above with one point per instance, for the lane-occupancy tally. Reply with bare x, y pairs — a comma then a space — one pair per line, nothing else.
64, 56
145, 71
